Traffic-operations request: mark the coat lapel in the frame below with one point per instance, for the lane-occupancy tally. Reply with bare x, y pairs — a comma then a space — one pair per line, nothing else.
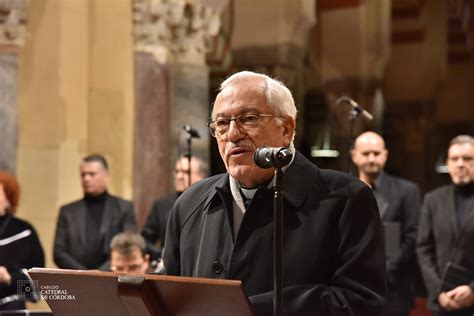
469, 215
295, 190
80, 220
106, 217
451, 209
383, 194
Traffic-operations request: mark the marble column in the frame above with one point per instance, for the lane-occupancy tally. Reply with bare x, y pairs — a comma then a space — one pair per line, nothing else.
171, 90
12, 30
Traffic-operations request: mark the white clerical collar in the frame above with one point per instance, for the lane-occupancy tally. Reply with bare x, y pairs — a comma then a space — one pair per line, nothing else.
249, 193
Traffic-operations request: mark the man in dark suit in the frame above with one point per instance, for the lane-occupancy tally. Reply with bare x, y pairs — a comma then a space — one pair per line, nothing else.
399, 205
222, 227
154, 230
86, 227
446, 232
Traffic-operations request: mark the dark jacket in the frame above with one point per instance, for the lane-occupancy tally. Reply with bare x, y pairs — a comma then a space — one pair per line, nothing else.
440, 239
333, 261
70, 251
155, 226
400, 210
20, 248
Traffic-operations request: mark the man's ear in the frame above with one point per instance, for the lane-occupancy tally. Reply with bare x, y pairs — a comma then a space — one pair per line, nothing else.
353, 154
289, 129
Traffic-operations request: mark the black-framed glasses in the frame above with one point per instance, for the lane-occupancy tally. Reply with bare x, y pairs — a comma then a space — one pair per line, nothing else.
248, 121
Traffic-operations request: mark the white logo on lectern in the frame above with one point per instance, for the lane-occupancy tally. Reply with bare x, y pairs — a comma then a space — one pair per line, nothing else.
54, 293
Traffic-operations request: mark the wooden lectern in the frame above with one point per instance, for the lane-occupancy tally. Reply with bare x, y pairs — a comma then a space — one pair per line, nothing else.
78, 292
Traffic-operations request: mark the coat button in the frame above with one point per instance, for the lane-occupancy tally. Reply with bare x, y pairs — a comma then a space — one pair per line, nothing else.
217, 267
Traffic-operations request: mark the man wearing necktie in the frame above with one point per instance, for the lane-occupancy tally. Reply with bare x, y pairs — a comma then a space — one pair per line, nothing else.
399, 206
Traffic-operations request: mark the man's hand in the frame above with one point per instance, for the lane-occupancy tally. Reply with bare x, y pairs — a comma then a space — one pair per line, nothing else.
447, 302
5, 277
463, 295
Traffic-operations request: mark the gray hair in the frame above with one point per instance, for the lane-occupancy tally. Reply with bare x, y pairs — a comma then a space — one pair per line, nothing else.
461, 140
278, 96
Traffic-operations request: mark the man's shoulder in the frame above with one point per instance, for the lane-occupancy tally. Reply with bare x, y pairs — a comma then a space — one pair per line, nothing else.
325, 180
74, 205
337, 182
166, 199
440, 192
201, 191
119, 199
205, 186
400, 182
78, 204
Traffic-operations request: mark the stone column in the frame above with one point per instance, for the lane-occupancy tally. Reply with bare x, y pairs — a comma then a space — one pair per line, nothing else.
171, 89
277, 48
12, 34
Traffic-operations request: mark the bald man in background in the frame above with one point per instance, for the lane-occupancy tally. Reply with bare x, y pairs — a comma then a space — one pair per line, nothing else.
399, 205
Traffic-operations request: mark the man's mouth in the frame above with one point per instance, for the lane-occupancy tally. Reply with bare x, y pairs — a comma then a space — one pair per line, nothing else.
238, 151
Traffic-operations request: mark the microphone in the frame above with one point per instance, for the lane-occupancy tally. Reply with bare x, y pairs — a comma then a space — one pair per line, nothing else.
191, 131
356, 107
277, 157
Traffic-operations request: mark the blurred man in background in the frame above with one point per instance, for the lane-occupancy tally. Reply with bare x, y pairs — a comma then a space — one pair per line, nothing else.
446, 234
154, 230
86, 227
399, 206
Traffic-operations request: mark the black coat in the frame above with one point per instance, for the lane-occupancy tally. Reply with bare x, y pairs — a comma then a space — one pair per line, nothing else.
155, 226
70, 251
401, 209
440, 239
20, 248
333, 261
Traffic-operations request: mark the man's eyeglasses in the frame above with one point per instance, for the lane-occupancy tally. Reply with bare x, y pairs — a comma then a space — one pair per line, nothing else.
220, 126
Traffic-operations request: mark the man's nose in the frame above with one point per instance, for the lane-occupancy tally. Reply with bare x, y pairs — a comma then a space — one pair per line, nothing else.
234, 132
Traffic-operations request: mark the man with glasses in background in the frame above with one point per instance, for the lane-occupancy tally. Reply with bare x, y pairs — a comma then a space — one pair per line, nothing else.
333, 262
446, 234
154, 230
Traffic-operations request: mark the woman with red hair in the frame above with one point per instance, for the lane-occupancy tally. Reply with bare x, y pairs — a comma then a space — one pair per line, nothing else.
20, 249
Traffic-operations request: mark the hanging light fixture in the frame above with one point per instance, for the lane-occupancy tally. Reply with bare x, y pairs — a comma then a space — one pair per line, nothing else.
440, 165
323, 148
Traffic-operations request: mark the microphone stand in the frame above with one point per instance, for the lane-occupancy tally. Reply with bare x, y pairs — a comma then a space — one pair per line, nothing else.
277, 240
189, 140
353, 114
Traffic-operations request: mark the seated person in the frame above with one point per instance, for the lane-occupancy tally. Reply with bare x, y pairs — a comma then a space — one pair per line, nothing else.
128, 254
20, 248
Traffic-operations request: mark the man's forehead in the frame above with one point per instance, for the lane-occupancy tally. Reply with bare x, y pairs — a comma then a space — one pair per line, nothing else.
370, 140
461, 149
91, 165
248, 94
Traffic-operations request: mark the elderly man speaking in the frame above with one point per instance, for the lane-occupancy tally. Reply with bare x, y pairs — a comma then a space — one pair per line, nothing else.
221, 227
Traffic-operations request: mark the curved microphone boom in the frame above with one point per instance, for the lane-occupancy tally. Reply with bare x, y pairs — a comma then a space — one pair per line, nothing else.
268, 157
356, 107
191, 131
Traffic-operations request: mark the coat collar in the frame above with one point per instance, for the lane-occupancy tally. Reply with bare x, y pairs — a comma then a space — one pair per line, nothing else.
299, 181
